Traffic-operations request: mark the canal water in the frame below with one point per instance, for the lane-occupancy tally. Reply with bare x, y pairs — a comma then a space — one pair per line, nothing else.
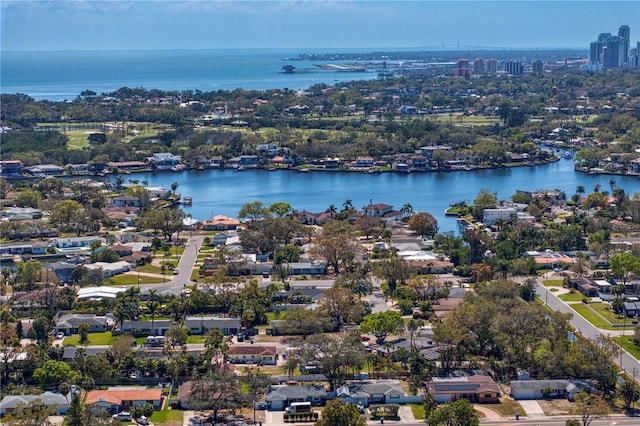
225, 191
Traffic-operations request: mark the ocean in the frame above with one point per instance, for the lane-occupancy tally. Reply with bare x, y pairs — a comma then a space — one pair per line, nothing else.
64, 75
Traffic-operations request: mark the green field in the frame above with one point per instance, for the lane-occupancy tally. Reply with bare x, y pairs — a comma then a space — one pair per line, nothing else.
418, 411
95, 339
608, 314
552, 283
590, 315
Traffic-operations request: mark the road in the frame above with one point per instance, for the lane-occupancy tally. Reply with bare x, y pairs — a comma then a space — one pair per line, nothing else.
584, 327
613, 420
184, 268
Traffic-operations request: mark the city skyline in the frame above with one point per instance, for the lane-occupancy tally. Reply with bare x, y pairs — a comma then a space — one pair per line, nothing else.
147, 25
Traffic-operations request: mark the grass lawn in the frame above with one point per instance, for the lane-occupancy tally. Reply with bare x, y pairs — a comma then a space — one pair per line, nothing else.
608, 313
507, 407
104, 338
573, 297
418, 411
590, 315
553, 283
195, 338
167, 417
149, 268
627, 344
133, 279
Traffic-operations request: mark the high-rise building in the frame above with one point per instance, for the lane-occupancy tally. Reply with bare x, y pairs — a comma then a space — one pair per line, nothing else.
492, 65
513, 68
478, 66
536, 67
611, 51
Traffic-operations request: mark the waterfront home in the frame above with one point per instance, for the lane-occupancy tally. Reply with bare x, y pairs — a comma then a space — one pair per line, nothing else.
43, 170
362, 162
125, 201
77, 168
116, 400
280, 397
127, 166
549, 259
11, 169
67, 243
221, 223
247, 161
477, 388
56, 400
252, 354
202, 324
70, 323
504, 214
13, 249
428, 151
164, 160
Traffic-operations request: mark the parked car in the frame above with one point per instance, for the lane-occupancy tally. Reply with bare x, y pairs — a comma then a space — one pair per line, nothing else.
60, 335
142, 420
365, 338
123, 416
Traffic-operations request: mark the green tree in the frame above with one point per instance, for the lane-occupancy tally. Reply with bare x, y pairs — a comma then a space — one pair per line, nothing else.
254, 211
424, 224
458, 413
382, 324
35, 413
28, 198
83, 330
629, 393
280, 208
66, 213
338, 413
301, 321
484, 200
52, 373
176, 335
29, 273
217, 390
75, 415
590, 407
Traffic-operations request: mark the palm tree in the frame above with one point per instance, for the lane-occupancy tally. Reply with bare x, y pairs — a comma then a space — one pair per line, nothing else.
407, 210
347, 206
580, 189
332, 210
612, 184
119, 180
596, 187
153, 306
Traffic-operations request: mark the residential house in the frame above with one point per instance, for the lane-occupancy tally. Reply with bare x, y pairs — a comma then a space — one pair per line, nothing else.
247, 161
111, 269
22, 248
366, 393
43, 170
11, 169
28, 213
281, 397
70, 243
221, 223
363, 162
538, 389
202, 324
49, 399
316, 267
428, 151
477, 388
492, 216
252, 354
70, 323
97, 293
125, 201
62, 270
165, 160
144, 328
631, 309
585, 285
116, 400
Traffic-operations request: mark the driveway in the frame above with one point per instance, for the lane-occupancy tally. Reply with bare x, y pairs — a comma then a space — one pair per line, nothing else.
533, 409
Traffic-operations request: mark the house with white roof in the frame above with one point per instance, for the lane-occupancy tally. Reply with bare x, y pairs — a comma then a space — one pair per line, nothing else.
49, 399
102, 292
111, 269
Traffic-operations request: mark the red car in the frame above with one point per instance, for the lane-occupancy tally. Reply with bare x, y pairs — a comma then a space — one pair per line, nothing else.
365, 338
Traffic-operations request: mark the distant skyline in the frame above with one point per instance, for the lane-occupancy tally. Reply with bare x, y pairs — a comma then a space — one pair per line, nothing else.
174, 24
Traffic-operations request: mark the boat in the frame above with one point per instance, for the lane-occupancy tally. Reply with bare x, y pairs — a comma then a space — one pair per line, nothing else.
187, 201
200, 167
240, 169
568, 155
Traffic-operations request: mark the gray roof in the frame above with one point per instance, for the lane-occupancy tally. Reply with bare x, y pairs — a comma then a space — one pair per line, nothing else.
284, 393
539, 384
48, 398
70, 351
74, 320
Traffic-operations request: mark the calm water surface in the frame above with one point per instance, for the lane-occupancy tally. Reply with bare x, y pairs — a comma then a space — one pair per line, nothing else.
225, 191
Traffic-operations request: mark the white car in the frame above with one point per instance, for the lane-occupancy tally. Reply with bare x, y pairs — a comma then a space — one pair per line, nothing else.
123, 416
60, 336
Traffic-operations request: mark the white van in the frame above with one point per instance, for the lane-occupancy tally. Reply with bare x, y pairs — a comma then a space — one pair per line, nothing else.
299, 407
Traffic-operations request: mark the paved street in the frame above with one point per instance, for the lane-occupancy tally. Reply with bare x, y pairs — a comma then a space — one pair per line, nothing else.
584, 327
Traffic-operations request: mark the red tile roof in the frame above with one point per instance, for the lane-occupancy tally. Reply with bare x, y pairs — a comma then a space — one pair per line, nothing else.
117, 397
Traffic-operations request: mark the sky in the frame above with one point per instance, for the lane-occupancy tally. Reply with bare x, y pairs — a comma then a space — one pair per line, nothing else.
54, 25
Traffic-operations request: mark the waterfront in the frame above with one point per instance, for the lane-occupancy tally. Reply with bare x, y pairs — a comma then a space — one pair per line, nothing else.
225, 191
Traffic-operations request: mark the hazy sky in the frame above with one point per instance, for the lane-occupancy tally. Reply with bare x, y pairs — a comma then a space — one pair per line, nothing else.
207, 24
